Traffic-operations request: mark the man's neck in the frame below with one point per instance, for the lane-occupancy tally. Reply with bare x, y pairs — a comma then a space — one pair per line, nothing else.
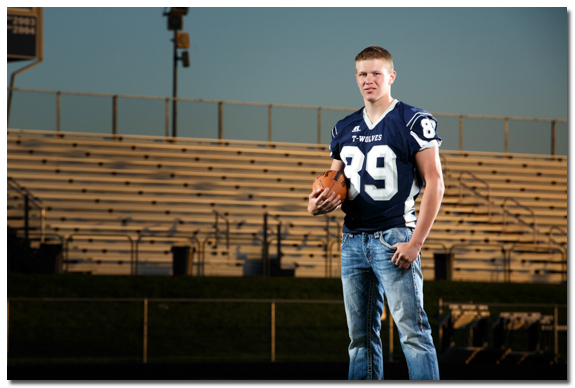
375, 109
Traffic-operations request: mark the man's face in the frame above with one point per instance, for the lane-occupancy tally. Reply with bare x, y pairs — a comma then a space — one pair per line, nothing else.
373, 79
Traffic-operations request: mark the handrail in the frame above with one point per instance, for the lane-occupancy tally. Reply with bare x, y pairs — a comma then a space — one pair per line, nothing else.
97, 236
461, 184
29, 199
115, 96
494, 244
202, 252
497, 245
24, 191
539, 248
219, 215
329, 268
430, 241
266, 242
329, 243
443, 161
563, 232
505, 212
265, 104
146, 234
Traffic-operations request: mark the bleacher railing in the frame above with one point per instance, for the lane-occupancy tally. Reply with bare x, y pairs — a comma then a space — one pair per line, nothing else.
30, 205
455, 315
270, 107
147, 319
267, 334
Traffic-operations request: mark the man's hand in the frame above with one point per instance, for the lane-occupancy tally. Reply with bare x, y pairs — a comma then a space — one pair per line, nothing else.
319, 204
405, 254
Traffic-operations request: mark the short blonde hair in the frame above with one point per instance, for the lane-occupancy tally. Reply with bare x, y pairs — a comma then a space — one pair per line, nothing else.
376, 52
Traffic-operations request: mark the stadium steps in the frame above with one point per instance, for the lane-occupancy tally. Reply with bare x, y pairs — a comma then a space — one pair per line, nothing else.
160, 189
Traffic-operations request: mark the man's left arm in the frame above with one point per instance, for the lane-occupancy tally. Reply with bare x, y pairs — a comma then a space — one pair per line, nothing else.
429, 167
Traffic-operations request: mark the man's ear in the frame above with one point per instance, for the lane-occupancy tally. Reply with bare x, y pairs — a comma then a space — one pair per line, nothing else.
392, 77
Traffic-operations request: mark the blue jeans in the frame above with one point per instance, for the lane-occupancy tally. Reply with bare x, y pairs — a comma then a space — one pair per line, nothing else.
368, 275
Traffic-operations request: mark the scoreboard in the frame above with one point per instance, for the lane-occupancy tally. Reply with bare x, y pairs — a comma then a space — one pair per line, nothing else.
24, 33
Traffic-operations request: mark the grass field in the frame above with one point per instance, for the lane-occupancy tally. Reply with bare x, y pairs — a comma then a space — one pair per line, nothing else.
43, 332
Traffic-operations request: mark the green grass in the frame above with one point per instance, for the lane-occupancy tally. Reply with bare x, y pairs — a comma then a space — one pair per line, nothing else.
43, 332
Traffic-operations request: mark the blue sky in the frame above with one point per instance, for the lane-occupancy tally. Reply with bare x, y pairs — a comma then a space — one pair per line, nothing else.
488, 61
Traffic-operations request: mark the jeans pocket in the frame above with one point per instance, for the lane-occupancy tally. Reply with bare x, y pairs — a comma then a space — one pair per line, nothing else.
344, 238
386, 244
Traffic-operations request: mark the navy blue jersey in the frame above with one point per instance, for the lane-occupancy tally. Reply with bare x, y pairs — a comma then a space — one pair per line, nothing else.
379, 161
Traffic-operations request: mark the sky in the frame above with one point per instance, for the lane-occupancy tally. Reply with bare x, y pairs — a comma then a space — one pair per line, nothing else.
482, 61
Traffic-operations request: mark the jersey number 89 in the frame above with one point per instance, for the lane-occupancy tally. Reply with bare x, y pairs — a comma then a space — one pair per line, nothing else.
386, 173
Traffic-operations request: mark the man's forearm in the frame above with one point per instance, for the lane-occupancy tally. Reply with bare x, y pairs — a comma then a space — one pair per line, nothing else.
430, 204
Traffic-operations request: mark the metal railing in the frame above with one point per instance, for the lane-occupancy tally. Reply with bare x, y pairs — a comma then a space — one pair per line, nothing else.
555, 327
319, 109
548, 251
473, 189
30, 202
145, 318
98, 236
507, 212
506, 120
550, 233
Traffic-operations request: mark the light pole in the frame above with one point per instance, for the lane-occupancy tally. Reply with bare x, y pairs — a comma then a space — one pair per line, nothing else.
181, 40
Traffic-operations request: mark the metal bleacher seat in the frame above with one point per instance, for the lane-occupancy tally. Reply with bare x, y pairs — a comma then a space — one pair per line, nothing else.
175, 191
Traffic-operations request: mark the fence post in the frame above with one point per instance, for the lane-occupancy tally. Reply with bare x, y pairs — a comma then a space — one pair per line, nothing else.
319, 125
273, 328
553, 134
7, 325
26, 219
167, 115
145, 330
220, 120
506, 133
269, 123
439, 325
58, 93
327, 258
555, 330
265, 254
115, 115
279, 241
461, 133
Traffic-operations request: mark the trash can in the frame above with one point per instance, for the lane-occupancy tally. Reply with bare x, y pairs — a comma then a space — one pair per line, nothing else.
443, 266
181, 261
50, 256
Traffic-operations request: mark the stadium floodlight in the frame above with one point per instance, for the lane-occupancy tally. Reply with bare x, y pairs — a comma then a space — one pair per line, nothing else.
176, 17
181, 40
185, 59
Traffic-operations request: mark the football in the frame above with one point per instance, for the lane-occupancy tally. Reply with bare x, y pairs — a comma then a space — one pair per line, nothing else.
335, 180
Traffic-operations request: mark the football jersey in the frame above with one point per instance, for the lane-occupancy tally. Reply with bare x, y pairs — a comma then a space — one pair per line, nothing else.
380, 166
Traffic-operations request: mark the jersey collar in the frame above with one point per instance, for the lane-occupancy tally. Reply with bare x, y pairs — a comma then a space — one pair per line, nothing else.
368, 122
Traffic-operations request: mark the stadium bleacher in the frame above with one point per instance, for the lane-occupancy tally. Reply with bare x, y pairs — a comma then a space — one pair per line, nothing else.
120, 203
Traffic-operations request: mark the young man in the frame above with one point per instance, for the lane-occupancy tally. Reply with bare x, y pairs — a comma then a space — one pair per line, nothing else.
387, 151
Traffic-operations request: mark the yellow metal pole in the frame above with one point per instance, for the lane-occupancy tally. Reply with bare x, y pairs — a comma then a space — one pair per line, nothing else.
553, 134
145, 330
460, 133
319, 125
506, 134
220, 120
269, 123
273, 331
7, 325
